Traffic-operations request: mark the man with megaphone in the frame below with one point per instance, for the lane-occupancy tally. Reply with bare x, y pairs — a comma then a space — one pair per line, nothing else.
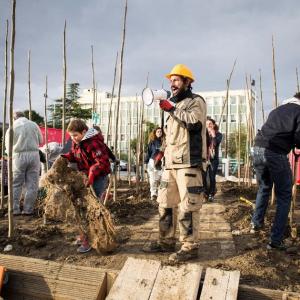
185, 154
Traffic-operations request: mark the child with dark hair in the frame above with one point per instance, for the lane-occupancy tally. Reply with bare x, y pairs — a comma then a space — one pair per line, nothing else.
214, 141
90, 154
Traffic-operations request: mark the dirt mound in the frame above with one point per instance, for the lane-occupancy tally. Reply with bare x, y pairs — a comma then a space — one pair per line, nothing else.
69, 200
232, 188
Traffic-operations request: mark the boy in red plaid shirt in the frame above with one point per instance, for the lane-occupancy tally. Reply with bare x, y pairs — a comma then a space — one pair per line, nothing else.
91, 156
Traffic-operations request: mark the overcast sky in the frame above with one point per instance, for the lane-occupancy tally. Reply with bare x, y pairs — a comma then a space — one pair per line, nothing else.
207, 36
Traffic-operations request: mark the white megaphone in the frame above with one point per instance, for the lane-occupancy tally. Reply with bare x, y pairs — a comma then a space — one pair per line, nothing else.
149, 95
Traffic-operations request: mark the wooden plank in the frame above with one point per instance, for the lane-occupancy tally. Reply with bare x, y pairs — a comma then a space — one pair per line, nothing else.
254, 293
135, 280
40, 279
220, 285
181, 283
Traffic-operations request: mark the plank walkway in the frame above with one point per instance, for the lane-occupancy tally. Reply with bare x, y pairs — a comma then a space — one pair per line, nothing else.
148, 279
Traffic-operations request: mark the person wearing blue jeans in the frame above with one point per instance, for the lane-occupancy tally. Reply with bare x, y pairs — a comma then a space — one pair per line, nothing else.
277, 137
272, 167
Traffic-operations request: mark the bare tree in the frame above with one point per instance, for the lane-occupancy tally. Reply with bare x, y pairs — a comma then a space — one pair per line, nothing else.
65, 87
46, 123
4, 115
94, 86
274, 75
11, 130
261, 97
111, 101
298, 88
119, 87
29, 85
226, 104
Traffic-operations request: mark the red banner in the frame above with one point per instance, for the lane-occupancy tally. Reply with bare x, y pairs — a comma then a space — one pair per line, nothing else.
54, 135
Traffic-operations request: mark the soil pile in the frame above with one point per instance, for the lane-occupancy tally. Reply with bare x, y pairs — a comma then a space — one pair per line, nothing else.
68, 199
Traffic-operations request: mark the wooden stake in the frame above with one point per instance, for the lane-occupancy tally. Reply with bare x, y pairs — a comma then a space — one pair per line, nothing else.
298, 88
261, 97
137, 163
46, 125
274, 74
226, 102
129, 148
119, 88
29, 85
239, 143
111, 101
65, 88
4, 115
94, 87
11, 130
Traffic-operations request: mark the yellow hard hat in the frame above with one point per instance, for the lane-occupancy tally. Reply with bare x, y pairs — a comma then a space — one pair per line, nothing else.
181, 70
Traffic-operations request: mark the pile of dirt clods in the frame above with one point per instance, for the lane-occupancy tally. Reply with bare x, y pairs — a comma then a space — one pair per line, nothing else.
68, 199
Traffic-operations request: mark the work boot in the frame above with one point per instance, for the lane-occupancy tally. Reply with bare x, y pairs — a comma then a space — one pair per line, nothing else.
183, 255
155, 247
276, 246
153, 198
255, 228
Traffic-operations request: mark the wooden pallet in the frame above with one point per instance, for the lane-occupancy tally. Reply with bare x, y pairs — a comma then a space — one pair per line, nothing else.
148, 279
31, 278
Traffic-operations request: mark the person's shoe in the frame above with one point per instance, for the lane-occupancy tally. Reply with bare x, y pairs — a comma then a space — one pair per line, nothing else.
211, 198
155, 247
27, 213
276, 246
84, 248
183, 255
17, 213
255, 228
153, 198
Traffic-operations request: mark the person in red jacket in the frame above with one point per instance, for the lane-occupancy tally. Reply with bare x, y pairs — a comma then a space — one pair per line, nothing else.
90, 154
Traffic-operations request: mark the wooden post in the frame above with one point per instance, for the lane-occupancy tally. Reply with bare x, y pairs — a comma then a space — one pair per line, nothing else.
29, 85
298, 88
129, 149
119, 88
141, 158
46, 124
261, 97
11, 130
4, 115
274, 75
94, 87
226, 104
137, 163
65, 88
111, 101
275, 101
239, 143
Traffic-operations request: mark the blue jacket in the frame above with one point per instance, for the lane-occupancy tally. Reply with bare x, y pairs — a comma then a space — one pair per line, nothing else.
152, 150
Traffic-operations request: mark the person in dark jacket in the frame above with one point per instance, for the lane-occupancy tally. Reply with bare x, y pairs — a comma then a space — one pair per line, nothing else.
277, 137
153, 160
214, 141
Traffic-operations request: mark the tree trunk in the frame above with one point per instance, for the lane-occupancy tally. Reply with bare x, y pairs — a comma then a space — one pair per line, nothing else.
109, 130
11, 130
94, 87
119, 89
29, 85
46, 124
4, 116
65, 88
274, 74
129, 149
261, 98
298, 88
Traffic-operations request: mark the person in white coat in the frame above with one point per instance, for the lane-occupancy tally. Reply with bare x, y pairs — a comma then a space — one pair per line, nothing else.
26, 161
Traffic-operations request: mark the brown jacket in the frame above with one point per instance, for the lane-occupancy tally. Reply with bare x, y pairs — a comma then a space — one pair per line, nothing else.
186, 134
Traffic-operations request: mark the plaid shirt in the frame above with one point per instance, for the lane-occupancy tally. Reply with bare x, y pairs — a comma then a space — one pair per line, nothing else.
91, 157
5, 171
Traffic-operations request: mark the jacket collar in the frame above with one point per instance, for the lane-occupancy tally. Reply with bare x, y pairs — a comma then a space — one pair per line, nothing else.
181, 96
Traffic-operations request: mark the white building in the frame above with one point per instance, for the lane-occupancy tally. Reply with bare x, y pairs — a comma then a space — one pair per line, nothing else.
238, 108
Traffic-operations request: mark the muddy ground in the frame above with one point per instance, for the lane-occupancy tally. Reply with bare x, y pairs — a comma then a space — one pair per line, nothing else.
131, 213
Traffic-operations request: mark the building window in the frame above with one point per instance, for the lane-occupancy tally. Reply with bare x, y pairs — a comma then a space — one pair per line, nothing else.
122, 137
